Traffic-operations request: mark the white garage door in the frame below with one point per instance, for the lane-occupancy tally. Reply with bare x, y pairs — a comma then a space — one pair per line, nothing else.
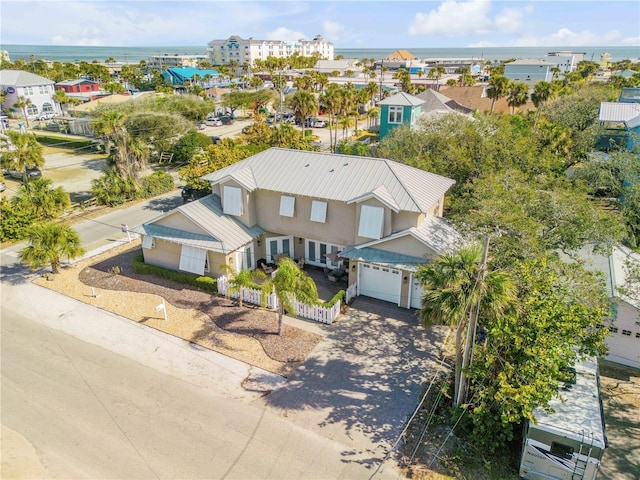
416, 293
380, 282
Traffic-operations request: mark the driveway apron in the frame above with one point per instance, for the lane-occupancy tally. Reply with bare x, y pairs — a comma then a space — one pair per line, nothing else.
362, 382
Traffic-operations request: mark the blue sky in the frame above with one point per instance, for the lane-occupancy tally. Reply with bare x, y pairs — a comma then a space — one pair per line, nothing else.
357, 24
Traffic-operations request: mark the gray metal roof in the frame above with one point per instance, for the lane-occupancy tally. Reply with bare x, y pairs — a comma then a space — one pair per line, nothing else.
20, 78
383, 257
530, 61
338, 177
434, 232
402, 99
618, 112
225, 233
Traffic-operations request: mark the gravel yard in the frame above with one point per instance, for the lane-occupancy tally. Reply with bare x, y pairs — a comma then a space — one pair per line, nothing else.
248, 334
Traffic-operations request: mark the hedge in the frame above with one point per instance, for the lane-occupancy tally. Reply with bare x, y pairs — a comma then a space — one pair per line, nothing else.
66, 142
204, 283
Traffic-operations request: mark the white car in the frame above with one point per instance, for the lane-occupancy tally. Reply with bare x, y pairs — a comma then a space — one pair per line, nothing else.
213, 122
45, 116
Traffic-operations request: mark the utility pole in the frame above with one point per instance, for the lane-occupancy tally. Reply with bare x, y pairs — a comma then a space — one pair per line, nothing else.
471, 329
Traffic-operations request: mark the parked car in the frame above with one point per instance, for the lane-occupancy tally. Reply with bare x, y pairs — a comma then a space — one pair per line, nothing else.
288, 118
3, 186
226, 119
313, 122
32, 173
45, 116
214, 122
216, 140
190, 194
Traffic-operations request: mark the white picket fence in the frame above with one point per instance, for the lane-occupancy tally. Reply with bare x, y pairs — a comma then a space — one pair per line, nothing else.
312, 312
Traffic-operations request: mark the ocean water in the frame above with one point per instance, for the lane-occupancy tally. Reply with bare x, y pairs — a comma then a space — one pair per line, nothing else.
59, 53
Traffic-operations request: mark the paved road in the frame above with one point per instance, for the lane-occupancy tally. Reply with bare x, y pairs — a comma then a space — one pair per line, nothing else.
91, 409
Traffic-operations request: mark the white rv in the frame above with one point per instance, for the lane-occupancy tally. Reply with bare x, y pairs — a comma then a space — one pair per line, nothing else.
569, 443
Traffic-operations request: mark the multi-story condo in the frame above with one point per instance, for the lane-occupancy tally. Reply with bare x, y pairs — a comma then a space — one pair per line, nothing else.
162, 62
38, 90
246, 51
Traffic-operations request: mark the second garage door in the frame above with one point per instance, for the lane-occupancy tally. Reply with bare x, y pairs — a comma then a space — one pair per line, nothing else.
380, 282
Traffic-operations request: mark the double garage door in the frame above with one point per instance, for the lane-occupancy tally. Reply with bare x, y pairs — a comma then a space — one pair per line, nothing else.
385, 283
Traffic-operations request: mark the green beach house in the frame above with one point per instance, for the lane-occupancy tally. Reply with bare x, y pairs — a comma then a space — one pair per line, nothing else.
400, 109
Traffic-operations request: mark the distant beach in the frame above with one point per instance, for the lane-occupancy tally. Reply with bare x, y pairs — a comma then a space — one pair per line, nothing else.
60, 53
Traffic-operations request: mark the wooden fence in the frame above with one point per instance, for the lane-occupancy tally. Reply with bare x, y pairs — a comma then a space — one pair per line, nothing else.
312, 312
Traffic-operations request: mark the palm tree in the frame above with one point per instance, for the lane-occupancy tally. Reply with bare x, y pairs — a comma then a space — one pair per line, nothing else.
23, 103
331, 100
47, 202
453, 285
517, 95
542, 91
61, 98
289, 283
49, 242
436, 74
27, 152
241, 279
498, 87
304, 104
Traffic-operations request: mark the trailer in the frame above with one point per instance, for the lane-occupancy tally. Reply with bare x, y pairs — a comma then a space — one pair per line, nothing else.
567, 444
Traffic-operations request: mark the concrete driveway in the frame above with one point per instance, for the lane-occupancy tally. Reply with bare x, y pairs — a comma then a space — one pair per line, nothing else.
363, 381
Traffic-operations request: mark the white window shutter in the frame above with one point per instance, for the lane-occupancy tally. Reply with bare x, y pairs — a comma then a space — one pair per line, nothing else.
318, 211
232, 200
192, 259
371, 222
287, 205
147, 241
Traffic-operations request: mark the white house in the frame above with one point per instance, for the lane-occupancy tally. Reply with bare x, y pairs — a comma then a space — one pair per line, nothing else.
624, 325
40, 90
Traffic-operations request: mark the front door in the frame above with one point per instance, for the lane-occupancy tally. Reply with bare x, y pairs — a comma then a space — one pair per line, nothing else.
316, 253
279, 246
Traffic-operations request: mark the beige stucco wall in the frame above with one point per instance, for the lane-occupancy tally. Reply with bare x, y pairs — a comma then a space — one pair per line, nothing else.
165, 254
407, 245
179, 221
248, 216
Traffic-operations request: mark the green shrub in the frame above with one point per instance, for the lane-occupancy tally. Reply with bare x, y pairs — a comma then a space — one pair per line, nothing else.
203, 283
112, 190
16, 219
340, 296
156, 184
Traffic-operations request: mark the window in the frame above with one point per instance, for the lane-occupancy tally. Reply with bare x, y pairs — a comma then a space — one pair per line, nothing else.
318, 211
232, 200
561, 450
371, 222
637, 334
626, 333
613, 330
32, 110
43, 89
395, 114
287, 205
28, 90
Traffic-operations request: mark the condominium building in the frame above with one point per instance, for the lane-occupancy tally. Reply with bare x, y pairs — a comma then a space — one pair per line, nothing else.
162, 62
245, 51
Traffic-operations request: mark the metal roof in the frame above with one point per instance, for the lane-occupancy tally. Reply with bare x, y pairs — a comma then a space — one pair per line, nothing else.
20, 78
402, 99
338, 177
434, 232
383, 257
530, 61
618, 112
225, 233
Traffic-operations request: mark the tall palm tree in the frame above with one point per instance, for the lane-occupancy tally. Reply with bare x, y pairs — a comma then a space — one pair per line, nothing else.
61, 98
453, 285
289, 283
542, 91
241, 279
27, 152
517, 95
331, 99
50, 241
436, 73
304, 104
498, 87
23, 103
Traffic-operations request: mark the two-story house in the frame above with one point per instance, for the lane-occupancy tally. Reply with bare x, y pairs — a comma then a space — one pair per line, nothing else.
381, 216
38, 90
399, 109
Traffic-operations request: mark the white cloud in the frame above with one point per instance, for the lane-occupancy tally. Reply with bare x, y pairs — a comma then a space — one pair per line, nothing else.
283, 33
565, 37
456, 18
334, 31
452, 18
